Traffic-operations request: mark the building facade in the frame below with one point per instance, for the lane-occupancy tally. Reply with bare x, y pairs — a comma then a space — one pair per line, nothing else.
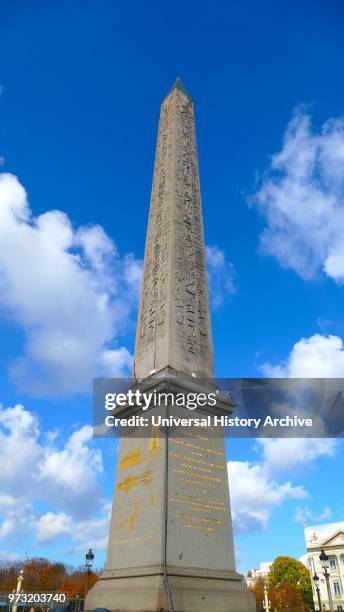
255, 574
330, 538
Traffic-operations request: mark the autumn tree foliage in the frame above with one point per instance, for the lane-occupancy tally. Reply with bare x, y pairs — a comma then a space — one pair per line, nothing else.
8, 575
290, 579
258, 591
285, 596
288, 586
43, 575
74, 583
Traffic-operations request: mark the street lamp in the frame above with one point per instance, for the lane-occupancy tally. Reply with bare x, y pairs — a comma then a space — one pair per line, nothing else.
316, 581
325, 565
89, 560
266, 603
18, 590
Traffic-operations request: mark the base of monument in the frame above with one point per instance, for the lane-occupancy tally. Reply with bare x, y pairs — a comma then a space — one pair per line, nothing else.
191, 591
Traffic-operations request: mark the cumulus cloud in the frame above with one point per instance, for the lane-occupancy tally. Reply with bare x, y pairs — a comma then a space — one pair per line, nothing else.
302, 199
15, 513
258, 488
76, 536
286, 454
37, 469
315, 357
70, 292
49, 526
74, 469
80, 534
254, 495
221, 274
42, 471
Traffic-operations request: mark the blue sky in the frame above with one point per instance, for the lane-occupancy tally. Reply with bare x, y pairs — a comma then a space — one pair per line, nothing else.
81, 86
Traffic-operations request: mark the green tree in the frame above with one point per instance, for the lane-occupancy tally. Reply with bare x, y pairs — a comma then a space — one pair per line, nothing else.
288, 569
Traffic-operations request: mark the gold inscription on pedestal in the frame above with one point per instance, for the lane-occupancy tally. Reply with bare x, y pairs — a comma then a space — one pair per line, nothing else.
154, 442
196, 448
131, 459
131, 520
134, 540
198, 503
136, 456
131, 481
195, 475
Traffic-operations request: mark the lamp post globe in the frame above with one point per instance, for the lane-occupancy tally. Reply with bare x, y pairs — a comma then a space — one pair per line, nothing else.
89, 558
316, 581
324, 559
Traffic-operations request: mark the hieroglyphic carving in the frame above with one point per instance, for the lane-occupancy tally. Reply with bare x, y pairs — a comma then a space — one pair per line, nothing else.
192, 311
174, 294
152, 317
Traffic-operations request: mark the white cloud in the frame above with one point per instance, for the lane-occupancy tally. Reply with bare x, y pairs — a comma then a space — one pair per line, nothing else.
302, 515
221, 274
254, 495
62, 477
115, 362
286, 454
37, 469
91, 533
257, 489
69, 290
15, 514
302, 199
314, 357
74, 470
50, 526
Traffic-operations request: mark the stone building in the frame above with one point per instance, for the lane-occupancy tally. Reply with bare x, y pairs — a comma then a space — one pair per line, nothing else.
330, 538
261, 572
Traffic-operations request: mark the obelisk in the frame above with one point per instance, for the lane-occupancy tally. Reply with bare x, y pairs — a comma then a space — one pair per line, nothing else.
171, 543
174, 322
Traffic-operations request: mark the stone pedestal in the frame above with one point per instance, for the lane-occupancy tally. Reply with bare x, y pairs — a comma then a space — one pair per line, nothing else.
171, 542
190, 591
